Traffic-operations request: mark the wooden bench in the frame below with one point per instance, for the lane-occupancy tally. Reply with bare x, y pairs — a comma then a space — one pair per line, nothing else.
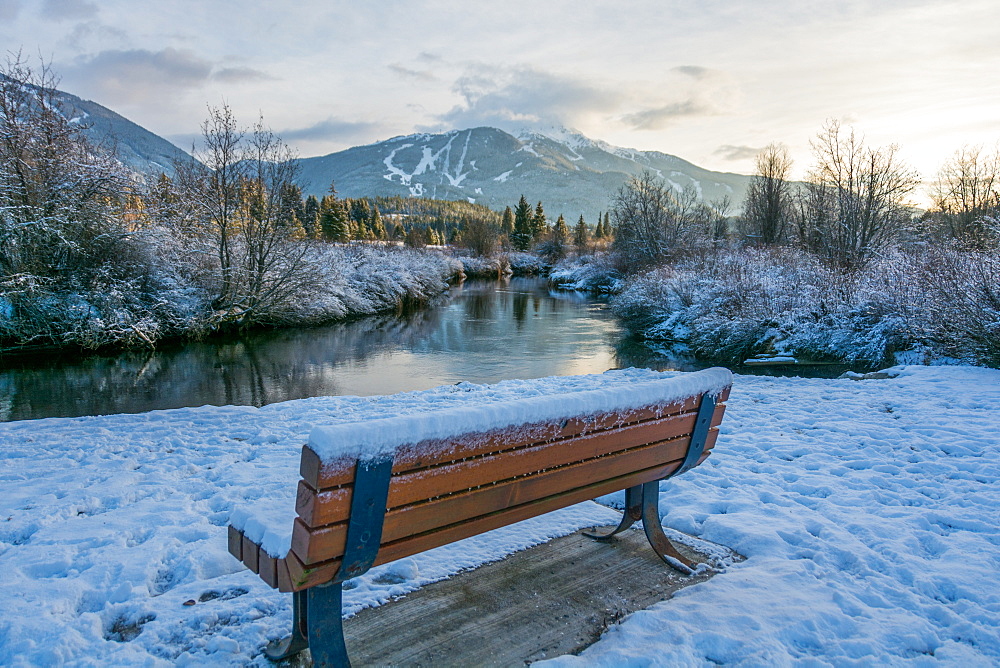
417, 482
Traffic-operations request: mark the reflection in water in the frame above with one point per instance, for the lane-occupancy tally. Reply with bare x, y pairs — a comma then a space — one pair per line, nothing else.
484, 332
632, 352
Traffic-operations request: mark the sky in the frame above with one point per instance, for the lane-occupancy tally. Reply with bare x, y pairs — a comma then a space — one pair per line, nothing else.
712, 82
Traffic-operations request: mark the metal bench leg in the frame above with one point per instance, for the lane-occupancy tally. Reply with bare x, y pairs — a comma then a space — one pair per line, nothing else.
654, 530
317, 623
326, 627
298, 641
631, 515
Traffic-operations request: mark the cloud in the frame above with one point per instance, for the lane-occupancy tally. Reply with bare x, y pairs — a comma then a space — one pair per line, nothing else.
412, 74
521, 96
696, 91
9, 9
62, 10
330, 129
240, 75
95, 32
661, 117
731, 152
140, 76
694, 71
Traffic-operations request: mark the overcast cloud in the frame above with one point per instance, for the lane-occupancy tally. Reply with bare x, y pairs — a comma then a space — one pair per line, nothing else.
698, 81
730, 152
515, 97
68, 10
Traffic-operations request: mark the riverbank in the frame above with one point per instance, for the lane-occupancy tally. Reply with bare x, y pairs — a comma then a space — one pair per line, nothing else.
863, 509
927, 304
346, 281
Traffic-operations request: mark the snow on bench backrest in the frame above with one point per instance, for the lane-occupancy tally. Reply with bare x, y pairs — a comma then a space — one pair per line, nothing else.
372, 438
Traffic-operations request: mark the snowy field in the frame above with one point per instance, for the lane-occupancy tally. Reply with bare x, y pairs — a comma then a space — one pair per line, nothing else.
869, 513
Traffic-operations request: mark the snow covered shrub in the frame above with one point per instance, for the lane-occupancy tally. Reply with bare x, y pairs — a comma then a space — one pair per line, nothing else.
596, 274
526, 264
959, 313
476, 266
362, 279
738, 303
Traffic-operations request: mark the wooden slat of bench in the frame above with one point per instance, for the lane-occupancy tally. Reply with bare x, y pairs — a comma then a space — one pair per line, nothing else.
303, 576
313, 545
284, 579
251, 555
267, 567
333, 474
328, 507
236, 543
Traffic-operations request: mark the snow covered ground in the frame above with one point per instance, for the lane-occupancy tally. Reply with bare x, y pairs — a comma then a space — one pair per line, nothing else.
868, 512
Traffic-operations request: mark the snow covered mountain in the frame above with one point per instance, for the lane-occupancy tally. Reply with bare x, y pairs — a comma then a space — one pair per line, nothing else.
569, 172
135, 146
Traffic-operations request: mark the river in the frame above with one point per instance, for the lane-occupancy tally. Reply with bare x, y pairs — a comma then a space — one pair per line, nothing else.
480, 332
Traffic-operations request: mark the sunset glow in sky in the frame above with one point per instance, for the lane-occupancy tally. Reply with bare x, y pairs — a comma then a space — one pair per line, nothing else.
711, 82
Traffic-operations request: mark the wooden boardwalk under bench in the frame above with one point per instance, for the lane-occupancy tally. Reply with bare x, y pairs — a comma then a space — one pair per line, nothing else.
552, 599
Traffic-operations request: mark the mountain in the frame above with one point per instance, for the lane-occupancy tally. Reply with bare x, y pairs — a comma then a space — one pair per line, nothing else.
570, 173
135, 146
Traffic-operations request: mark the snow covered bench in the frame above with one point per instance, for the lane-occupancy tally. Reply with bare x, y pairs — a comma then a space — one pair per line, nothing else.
376, 491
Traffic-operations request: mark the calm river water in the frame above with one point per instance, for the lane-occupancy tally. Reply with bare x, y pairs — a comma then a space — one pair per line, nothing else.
482, 332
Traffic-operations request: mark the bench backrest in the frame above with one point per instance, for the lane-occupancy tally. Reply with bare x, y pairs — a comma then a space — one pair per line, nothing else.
445, 490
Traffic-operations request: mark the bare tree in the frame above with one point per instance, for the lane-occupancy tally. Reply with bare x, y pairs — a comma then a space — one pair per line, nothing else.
967, 195
219, 190
235, 213
767, 208
855, 205
651, 221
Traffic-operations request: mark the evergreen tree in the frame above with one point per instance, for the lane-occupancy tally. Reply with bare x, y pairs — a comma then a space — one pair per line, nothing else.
507, 223
376, 225
360, 213
561, 230
333, 220
581, 235
539, 225
310, 219
290, 208
523, 228
608, 232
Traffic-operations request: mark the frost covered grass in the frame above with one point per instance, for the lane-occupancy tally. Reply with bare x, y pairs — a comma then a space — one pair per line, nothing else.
867, 511
167, 294
732, 304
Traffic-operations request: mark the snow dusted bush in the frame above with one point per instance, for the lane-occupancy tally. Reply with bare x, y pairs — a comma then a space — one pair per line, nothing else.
738, 303
596, 274
478, 266
362, 279
526, 264
955, 302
